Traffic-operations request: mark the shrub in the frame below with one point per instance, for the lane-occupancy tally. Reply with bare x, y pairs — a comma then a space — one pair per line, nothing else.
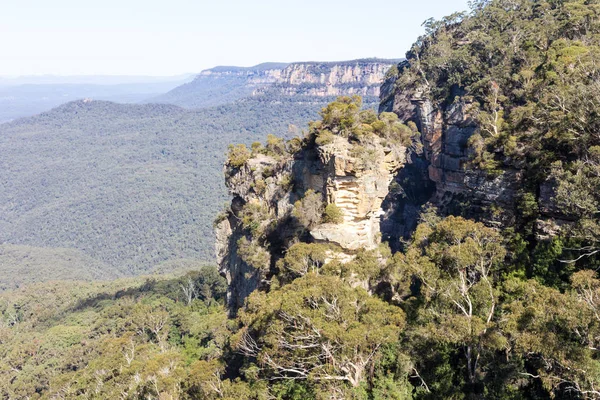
275, 146
268, 172
301, 259
221, 216
259, 186
238, 155
257, 148
254, 215
286, 181
309, 210
366, 156
324, 137
294, 145
253, 254
333, 214
342, 115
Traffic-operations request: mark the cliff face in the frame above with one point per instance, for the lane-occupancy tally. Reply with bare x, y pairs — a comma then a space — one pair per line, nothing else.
353, 177
445, 160
276, 203
320, 79
356, 189
262, 74
362, 77
379, 187
302, 81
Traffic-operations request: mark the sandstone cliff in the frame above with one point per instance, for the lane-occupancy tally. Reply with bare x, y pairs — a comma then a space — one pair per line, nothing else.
314, 82
317, 79
276, 195
446, 160
379, 187
262, 74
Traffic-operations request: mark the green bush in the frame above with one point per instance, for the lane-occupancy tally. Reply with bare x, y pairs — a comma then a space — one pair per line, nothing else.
324, 137
254, 215
238, 155
309, 209
253, 254
275, 146
333, 214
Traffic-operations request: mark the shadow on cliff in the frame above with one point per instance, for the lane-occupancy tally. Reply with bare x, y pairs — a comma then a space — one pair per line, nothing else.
408, 192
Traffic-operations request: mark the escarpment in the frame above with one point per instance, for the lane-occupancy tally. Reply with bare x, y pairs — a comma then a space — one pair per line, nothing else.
326, 79
471, 200
480, 149
449, 138
358, 179
328, 188
307, 83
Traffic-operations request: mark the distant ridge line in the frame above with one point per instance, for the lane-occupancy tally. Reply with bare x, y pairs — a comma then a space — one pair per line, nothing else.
280, 65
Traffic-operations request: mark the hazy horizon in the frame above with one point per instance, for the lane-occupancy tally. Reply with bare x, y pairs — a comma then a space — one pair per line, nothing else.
152, 38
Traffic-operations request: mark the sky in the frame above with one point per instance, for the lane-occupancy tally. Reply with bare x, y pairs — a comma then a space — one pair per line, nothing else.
172, 37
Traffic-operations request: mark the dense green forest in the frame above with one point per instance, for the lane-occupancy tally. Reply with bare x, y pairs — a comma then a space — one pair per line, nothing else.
129, 185
22, 265
134, 338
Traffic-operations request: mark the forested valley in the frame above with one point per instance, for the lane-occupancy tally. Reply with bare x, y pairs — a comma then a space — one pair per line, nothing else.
446, 247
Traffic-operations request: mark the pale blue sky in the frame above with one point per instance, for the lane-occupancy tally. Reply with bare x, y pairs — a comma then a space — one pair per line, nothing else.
168, 37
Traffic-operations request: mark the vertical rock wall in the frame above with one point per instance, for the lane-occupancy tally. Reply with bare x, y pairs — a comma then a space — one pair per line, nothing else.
339, 172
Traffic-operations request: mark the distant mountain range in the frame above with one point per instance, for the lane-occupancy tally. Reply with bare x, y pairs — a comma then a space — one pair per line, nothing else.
26, 96
298, 81
91, 79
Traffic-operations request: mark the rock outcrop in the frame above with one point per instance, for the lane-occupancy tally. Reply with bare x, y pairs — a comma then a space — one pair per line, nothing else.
307, 82
460, 188
379, 187
354, 177
316, 79
358, 191
250, 185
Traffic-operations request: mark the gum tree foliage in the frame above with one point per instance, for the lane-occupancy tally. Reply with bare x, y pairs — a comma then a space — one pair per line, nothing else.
318, 329
131, 338
457, 263
346, 118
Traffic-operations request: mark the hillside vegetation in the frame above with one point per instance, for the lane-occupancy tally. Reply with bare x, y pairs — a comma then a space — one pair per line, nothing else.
528, 73
23, 265
108, 340
463, 309
129, 185
451, 316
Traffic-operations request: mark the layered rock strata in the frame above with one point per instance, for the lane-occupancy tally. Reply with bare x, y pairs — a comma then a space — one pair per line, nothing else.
446, 159
339, 172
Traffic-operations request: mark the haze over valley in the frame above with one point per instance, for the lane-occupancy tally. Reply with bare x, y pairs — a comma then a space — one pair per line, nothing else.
136, 185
